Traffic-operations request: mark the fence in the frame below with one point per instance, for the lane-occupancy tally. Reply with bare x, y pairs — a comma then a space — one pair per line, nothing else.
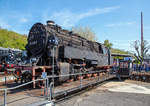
47, 87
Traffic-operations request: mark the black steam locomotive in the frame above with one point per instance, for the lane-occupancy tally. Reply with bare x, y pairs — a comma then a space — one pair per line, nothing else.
50, 44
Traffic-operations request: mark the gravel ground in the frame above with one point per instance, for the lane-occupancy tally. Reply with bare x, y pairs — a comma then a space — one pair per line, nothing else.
114, 93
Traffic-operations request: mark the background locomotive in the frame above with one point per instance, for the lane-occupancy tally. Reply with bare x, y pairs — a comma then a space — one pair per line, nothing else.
70, 49
8, 58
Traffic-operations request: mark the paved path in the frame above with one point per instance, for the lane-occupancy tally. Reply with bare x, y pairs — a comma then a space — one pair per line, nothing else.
113, 94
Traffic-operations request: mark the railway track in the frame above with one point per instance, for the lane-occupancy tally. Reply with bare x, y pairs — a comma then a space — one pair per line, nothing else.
140, 76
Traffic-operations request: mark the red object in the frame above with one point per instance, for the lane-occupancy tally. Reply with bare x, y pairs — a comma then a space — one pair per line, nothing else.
7, 66
80, 77
5, 72
12, 65
0, 66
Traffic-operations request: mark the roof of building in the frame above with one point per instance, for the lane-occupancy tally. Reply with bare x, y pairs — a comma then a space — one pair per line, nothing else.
122, 55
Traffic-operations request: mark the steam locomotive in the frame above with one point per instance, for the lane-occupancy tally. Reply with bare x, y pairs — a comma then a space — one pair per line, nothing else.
51, 45
8, 58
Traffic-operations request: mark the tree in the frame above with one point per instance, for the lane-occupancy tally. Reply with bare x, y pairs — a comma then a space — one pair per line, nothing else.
137, 47
85, 32
108, 44
10, 39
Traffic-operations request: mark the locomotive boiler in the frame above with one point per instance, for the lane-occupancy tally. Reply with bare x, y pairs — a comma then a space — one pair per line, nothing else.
51, 45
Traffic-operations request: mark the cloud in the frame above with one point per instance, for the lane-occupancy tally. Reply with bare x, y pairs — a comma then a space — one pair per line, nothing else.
23, 20
123, 44
4, 24
67, 18
13, 20
120, 24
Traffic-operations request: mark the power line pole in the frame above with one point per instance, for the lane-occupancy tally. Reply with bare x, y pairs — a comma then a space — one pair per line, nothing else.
142, 34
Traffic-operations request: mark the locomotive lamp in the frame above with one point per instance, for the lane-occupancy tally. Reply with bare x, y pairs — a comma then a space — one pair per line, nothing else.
33, 61
53, 40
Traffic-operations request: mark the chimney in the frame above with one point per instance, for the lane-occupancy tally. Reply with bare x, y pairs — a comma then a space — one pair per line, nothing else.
49, 22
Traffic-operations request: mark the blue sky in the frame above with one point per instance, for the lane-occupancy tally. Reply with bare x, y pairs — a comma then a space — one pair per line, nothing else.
115, 20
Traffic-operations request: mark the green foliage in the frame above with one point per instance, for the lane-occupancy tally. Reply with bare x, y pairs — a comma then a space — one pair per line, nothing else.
10, 39
85, 32
119, 51
108, 44
113, 50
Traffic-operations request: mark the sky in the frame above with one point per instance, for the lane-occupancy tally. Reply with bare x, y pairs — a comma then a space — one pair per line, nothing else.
115, 20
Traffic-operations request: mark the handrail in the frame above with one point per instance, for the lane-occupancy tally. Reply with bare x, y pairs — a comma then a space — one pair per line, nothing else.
48, 77
2, 89
51, 85
5, 89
